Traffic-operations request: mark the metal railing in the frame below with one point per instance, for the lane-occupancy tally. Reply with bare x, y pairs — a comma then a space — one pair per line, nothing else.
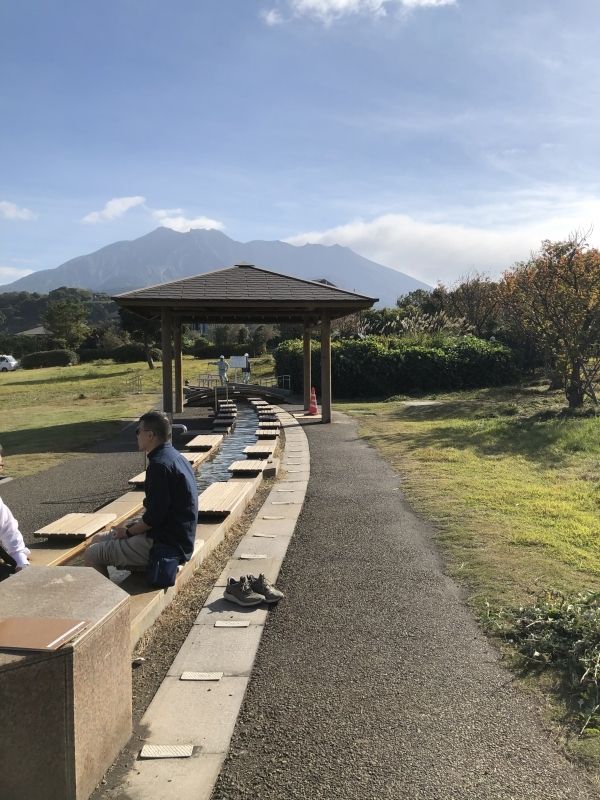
209, 380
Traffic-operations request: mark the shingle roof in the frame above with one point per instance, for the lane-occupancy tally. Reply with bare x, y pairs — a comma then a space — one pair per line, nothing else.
245, 290
243, 282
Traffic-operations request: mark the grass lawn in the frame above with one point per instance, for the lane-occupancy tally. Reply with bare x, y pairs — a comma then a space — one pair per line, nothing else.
55, 413
513, 489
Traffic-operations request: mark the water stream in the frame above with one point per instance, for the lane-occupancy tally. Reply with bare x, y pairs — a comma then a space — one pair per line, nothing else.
232, 448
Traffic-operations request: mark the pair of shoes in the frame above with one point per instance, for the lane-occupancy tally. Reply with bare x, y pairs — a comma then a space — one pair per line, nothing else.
251, 591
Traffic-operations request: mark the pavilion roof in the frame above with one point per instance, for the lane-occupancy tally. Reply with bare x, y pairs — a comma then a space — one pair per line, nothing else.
245, 292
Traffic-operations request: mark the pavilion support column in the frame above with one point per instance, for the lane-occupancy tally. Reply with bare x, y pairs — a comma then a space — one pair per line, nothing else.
307, 365
166, 324
325, 369
178, 365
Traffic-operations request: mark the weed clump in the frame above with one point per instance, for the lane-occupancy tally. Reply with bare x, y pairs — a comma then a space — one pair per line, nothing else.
562, 634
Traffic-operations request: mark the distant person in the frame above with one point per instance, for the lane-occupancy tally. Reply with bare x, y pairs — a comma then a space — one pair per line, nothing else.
171, 504
223, 367
11, 538
246, 369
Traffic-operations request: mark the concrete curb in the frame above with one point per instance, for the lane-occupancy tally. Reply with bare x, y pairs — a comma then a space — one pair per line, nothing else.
203, 713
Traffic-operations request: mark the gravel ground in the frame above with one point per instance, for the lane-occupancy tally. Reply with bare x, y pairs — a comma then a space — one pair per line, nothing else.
372, 679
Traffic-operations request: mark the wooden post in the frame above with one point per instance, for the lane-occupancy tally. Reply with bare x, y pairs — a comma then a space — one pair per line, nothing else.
178, 366
307, 365
326, 369
167, 361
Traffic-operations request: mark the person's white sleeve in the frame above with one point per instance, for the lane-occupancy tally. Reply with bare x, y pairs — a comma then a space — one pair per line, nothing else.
11, 538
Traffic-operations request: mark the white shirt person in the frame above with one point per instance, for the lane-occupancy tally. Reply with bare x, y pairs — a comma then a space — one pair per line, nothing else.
11, 537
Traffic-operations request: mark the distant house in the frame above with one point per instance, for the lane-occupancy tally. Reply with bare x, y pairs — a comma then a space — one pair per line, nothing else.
39, 331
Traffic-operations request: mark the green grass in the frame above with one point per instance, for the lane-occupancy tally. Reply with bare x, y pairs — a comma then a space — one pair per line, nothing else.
52, 414
512, 486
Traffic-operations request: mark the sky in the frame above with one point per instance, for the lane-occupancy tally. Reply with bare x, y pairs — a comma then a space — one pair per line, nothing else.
437, 137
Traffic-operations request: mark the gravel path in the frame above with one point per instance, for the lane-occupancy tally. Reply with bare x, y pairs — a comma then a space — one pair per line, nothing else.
373, 680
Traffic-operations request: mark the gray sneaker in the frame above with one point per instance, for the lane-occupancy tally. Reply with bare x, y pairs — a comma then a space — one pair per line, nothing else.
266, 588
241, 592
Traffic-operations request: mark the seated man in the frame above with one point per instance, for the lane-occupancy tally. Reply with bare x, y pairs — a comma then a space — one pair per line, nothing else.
11, 538
171, 505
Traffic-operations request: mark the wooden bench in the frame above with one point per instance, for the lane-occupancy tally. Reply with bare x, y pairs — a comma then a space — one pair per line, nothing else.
206, 442
271, 426
267, 433
221, 497
260, 450
252, 466
76, 526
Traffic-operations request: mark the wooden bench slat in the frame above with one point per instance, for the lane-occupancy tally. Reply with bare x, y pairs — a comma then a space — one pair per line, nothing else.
205, 441
266, 448
221, 497
250, 465
77, 525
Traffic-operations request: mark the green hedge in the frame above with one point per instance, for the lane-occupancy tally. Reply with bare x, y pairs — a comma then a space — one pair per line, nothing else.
378, 366
49, 358
131, 353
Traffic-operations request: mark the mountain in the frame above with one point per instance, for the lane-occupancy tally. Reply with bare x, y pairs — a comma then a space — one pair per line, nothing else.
165, 255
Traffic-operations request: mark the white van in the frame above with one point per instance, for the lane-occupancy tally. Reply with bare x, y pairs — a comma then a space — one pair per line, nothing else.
8, 363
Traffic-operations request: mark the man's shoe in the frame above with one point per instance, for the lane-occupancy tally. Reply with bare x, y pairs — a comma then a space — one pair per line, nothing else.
241, 592
266, 588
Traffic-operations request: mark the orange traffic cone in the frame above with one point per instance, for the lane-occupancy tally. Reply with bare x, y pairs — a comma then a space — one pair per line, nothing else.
313, 408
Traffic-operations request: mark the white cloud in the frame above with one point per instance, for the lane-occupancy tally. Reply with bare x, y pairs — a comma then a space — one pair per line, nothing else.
114, 208
173, 218
494, 238
272, 17
12, 211
10, 274
328, 11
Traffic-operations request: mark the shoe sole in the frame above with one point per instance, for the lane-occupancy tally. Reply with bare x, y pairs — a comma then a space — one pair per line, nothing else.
233, 599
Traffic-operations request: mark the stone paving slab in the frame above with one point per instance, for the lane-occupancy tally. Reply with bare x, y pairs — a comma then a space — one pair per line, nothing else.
207, 650
195, 712
156, 779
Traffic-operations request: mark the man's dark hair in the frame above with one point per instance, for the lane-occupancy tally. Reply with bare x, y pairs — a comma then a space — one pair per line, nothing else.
158, 423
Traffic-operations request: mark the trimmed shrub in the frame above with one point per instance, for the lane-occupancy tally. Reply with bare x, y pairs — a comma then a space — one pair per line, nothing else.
87, 354
379, 366
133, 352
49, 358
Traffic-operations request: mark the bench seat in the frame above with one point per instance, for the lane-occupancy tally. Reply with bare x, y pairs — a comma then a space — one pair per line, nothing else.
221, 497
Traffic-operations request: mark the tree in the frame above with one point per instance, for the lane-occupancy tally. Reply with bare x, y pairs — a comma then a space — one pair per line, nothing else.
66, 320
141, 329
556, 296
259, 340
477, 299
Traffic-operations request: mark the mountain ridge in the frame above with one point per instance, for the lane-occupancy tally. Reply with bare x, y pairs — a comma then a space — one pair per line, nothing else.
164, 255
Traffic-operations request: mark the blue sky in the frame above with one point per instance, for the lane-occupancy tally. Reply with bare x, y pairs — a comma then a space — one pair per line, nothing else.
437, 137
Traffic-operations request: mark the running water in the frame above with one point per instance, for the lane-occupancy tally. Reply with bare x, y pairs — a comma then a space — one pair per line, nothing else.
232, 449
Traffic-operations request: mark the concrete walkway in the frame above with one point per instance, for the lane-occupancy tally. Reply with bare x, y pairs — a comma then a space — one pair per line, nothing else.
372, 680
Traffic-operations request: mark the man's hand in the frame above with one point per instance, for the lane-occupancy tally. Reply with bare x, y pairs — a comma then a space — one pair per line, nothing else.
120, 532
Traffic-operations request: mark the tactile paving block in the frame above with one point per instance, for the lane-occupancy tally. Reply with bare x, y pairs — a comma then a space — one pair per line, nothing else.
167, 751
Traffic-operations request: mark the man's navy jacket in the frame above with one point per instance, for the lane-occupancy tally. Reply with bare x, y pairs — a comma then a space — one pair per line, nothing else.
171, 499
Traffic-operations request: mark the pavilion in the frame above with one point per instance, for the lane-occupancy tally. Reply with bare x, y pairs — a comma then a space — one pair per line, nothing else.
243, 293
